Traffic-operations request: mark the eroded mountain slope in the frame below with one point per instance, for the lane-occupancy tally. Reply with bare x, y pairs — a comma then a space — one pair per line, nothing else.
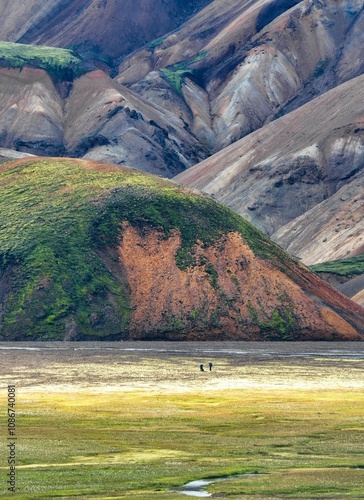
237, 65
92, 117
331, 230
228, 70
94, 251
84, 23
303, 171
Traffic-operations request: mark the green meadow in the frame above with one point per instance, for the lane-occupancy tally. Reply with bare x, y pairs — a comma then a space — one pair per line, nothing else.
87, 442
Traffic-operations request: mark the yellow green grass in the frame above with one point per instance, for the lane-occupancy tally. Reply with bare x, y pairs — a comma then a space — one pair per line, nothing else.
140, 445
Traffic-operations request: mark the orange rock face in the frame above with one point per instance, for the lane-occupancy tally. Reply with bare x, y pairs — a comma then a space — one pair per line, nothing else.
228, 294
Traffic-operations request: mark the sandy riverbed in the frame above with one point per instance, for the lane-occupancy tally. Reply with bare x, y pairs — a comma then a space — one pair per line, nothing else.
174, 367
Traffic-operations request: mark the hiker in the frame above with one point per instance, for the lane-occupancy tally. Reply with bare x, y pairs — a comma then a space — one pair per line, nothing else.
202, 368
210, 366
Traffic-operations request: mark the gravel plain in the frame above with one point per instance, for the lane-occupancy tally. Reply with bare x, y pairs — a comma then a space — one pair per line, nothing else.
175, 366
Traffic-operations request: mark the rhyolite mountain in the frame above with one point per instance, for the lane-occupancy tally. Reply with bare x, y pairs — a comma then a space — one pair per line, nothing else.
90, 117
93, 251
226, 70
237, 65
104, 29
174, 83
300, 175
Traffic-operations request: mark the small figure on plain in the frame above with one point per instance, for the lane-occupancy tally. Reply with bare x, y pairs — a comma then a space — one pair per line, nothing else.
202, 368
210, 366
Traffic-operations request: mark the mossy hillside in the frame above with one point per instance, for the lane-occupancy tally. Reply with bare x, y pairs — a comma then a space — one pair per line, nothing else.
344, 267
61, 64
176, 73
59, 217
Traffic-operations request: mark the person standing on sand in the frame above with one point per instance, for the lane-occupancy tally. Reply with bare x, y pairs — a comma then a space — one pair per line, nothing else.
210, 366
202, 368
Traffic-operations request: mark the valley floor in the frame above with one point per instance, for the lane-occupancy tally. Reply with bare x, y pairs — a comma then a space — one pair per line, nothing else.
138, 419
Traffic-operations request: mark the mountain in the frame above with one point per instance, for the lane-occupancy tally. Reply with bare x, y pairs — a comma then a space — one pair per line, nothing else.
237, 65
299, 178
266, 94
104, 29
90, 117
225, 70
95, 251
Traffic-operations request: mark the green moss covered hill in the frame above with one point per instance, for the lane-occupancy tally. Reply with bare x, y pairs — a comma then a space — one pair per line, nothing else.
60, 275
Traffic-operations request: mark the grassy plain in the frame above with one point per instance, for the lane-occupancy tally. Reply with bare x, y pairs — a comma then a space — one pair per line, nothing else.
111, 424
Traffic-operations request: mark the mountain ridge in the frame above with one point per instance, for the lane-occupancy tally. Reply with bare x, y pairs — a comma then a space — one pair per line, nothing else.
315, 150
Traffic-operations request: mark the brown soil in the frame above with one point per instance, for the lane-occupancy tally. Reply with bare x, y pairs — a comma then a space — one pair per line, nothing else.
173, 304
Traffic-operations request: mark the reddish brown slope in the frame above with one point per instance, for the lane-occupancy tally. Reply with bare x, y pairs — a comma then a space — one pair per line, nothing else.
252, 296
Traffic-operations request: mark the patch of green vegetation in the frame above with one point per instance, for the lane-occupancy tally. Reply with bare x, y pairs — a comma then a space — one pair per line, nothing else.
175, 74
157, 42
344, 267
235, 280
62, 64
282, 324
278, 325
174, 77
253, 313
